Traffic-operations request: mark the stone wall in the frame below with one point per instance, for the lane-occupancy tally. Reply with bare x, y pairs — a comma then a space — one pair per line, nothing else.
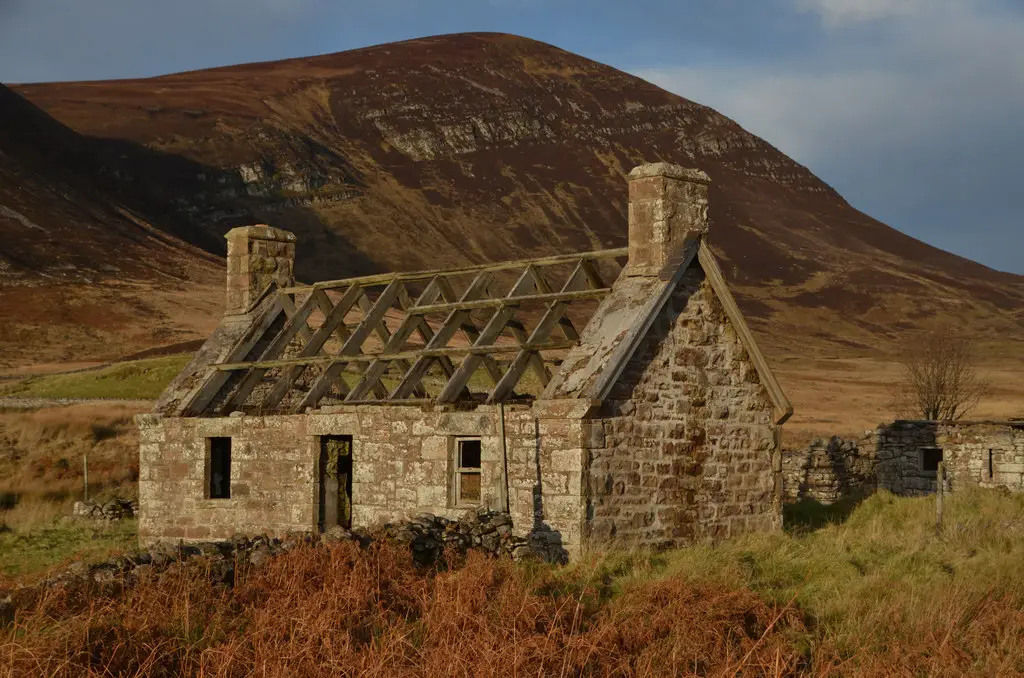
402, 465
828, 470
686, 444
970, 451
988, 454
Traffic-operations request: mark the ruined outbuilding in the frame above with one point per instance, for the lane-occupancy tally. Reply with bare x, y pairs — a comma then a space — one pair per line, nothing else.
903, 457
608, 396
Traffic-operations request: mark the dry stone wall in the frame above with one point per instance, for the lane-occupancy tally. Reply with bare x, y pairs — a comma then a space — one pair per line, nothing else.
431, 541
685, 446
828, 470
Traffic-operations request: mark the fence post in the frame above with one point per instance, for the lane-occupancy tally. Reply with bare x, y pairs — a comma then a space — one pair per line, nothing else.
940, 490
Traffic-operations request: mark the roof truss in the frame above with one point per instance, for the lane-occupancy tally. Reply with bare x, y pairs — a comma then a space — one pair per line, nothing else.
410, 337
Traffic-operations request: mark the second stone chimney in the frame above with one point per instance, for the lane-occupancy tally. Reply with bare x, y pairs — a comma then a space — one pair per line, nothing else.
257, 256
667, 204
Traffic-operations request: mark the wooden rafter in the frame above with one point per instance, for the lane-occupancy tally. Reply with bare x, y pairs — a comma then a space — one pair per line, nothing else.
288, 341
375, 314
393, 343
218, 380
334, 317
448, 351
492, 330
470, 330
455, 320
526, 356
384, 278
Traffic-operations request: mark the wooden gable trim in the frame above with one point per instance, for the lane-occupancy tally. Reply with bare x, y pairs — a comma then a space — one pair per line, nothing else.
783, 408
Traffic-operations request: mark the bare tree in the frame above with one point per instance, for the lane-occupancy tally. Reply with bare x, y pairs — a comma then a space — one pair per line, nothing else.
940, 379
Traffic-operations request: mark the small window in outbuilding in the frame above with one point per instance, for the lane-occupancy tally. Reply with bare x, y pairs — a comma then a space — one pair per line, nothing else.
991, 466
219, 476
930, 458
468, 484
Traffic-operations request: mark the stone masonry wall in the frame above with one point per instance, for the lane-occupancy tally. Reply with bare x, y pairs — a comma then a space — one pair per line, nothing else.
966, 449
828, 470
686, 446
890, 458
402, 461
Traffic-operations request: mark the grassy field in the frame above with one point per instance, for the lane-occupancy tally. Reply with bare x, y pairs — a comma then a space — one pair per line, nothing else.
878, 594
137, 379
26, 554
41, 461
846, 590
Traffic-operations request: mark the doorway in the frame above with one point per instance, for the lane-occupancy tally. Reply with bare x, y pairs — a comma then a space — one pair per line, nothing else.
335, 482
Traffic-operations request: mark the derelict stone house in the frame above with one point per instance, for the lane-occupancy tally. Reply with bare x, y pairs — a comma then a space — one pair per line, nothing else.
376, 398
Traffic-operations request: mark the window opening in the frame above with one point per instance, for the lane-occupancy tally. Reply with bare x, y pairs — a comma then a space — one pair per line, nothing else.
468, 471
220, 468
930, 458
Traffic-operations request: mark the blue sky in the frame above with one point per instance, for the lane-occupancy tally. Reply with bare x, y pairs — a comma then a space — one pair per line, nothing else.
912, 109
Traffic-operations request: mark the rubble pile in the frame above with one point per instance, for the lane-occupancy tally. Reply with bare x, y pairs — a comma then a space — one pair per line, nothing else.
112, 510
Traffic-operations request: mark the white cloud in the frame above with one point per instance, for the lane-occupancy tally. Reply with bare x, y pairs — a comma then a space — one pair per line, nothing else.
839, 12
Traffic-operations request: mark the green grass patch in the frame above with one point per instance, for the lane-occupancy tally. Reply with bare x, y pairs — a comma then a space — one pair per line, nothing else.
23, 554
874, 574
136, 379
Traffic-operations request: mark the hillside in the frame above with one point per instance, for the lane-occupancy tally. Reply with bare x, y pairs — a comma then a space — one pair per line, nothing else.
82, 274
460, 148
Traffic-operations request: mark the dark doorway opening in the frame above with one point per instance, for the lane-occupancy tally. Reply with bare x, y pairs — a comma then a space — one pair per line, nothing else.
335, 482
219, 471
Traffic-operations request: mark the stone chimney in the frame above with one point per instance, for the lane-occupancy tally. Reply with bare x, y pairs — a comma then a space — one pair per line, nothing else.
667, 203
257, 255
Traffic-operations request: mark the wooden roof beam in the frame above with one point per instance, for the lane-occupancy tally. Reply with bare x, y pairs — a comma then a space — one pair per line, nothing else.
385, 278
511, 301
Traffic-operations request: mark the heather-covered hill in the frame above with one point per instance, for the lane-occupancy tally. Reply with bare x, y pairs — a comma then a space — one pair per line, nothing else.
84, 274
488, 147
475, 147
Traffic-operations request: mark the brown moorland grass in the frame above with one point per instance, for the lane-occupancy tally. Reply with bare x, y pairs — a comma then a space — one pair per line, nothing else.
41, 453
880, 594
339, 611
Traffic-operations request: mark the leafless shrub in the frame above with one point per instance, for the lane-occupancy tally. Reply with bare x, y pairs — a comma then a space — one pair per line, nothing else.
939, 376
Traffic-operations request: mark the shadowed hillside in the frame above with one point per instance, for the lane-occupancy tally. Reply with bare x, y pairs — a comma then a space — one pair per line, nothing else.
83, 273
